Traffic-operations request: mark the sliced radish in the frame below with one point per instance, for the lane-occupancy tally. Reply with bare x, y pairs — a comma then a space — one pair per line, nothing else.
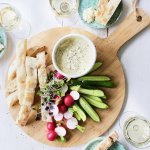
54, 109
61, 131
58, 117
72, 123
75, 95
68, 115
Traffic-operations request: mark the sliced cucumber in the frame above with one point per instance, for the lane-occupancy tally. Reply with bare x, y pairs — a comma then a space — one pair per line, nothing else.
89, 110
98, 93
96, 66
94, 98
94, 78
97, 103
108, 84
79, 111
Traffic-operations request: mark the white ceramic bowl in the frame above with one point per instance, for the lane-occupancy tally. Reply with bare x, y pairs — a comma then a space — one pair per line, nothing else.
93, 52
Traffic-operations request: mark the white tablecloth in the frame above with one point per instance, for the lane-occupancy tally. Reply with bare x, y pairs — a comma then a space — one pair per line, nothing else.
135, 58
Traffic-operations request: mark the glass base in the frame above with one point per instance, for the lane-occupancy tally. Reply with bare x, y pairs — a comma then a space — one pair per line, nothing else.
67, 21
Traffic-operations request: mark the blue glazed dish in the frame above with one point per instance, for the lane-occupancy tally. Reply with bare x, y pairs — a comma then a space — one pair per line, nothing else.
3, 40
94, 143
84, 4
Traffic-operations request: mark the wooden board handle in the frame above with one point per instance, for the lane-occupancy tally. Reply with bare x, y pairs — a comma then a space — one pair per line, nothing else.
127, 29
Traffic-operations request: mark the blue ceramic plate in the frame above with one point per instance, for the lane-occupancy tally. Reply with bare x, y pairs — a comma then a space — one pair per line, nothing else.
84, 4
3, 40
93, 144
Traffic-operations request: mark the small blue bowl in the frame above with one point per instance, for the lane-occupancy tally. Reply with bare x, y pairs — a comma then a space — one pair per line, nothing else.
3, 40
94, 143
84, 4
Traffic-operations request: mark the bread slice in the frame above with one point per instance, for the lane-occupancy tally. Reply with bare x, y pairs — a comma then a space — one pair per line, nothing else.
12, 99
21, 70
107, 143
31, 81
105, 10
30, 85
42, 77
12, 70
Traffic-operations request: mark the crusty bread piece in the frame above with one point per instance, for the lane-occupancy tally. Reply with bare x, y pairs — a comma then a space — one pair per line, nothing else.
30, 52
33, 51
12, 86
23, 115
42, 77
31, 83
41, 64
21, 70
50, 68
12, 70
105, 10
12, 99
107, 143
32, 116
27, 115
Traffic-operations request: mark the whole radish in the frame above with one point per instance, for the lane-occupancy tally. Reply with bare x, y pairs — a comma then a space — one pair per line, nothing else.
62, 108
51, 135
68, 100
51, 126
57, 99
58, 75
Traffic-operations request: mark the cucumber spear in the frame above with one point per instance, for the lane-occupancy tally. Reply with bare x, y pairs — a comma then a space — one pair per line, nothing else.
98, 93
94, 78
96, 66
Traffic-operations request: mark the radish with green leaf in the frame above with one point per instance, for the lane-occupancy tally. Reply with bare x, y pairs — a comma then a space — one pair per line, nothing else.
72, 124
61, 131
58, 75
68, 114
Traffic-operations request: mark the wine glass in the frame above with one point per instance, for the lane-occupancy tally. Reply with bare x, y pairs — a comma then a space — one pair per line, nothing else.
11, 21
65, 11
136, 129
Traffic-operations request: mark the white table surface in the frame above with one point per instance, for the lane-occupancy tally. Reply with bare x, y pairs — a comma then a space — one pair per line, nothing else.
135, 58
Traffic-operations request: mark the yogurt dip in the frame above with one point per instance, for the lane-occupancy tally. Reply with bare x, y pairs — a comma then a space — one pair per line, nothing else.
74, 56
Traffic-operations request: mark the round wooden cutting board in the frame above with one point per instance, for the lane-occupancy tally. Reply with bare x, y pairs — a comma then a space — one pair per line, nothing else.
106, 53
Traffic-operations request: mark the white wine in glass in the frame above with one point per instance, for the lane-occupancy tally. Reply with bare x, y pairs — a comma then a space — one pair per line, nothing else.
136, 129
11, 21
65, 11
